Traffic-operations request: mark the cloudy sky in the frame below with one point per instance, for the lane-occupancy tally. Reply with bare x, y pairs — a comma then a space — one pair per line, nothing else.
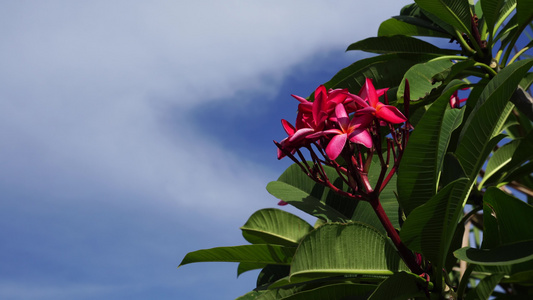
133, 132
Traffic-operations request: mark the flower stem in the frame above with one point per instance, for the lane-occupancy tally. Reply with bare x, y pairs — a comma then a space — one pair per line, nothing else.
405, 253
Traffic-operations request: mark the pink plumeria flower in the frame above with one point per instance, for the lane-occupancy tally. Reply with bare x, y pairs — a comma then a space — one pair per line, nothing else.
317, 112
386, 113
353, 130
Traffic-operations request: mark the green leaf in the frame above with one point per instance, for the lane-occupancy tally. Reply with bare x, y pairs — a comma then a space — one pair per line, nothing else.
297, 189
398, 44
501, 255
524, 12
246, 266
454, 72
413, 14
499, 159
266, 254
526, 82
488, 117
491, 12
507, 9
418, 173
506, 219
394, 26
400, 286
251, 295
335, 291
452, 120
275, 226
430, 228
484, 288
420, 78
453, 12
353, 248
272, 273
386, 70
507, 32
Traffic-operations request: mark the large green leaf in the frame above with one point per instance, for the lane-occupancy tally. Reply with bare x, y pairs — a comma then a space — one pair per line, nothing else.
500, 159
297, 189
275, 226
398, 44
484, 288
248, 266
400, 286
354, 248
506, 219
267, 254
488, 117
413, 14
430, 228
272, 273
418, 173
386, 70
501, 255
420, 78
524, 12
352, 291
456, 71
491, 12
251, 295
451, 121
505, 11
394, 26
453, 12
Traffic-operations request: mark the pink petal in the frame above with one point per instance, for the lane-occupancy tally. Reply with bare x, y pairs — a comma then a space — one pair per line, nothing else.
361, 121
301, 99
337, 96
390, 114
301, 134
361, 136
319, 103
358, 100
365, 111
289, 129
336, 145
282, 203
342, 116
381, 92
369, 92
316, 135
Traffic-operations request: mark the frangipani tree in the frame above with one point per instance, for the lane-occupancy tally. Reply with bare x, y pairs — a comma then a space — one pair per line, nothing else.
400, 170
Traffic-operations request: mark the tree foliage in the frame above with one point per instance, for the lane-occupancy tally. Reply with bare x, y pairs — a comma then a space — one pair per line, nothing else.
396, 184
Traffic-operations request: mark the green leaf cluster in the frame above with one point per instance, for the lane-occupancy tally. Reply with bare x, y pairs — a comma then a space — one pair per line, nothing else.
466, 171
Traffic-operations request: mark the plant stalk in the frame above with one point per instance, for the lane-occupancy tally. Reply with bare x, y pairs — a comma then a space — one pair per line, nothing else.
405, 253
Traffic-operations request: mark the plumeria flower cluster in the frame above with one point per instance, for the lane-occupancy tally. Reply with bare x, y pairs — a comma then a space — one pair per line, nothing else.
339, 123
355, 128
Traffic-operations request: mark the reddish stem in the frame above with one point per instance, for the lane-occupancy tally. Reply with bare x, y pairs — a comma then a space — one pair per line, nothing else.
405, 253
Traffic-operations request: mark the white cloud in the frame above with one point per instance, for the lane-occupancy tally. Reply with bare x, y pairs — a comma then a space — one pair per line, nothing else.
85, 80
84, 86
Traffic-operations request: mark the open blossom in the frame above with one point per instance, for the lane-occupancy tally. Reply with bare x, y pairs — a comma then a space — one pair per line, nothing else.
327, 121
354, 130
311, 119
371, 105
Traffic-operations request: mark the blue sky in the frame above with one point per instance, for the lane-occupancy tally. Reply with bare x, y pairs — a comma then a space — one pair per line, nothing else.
133, 132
